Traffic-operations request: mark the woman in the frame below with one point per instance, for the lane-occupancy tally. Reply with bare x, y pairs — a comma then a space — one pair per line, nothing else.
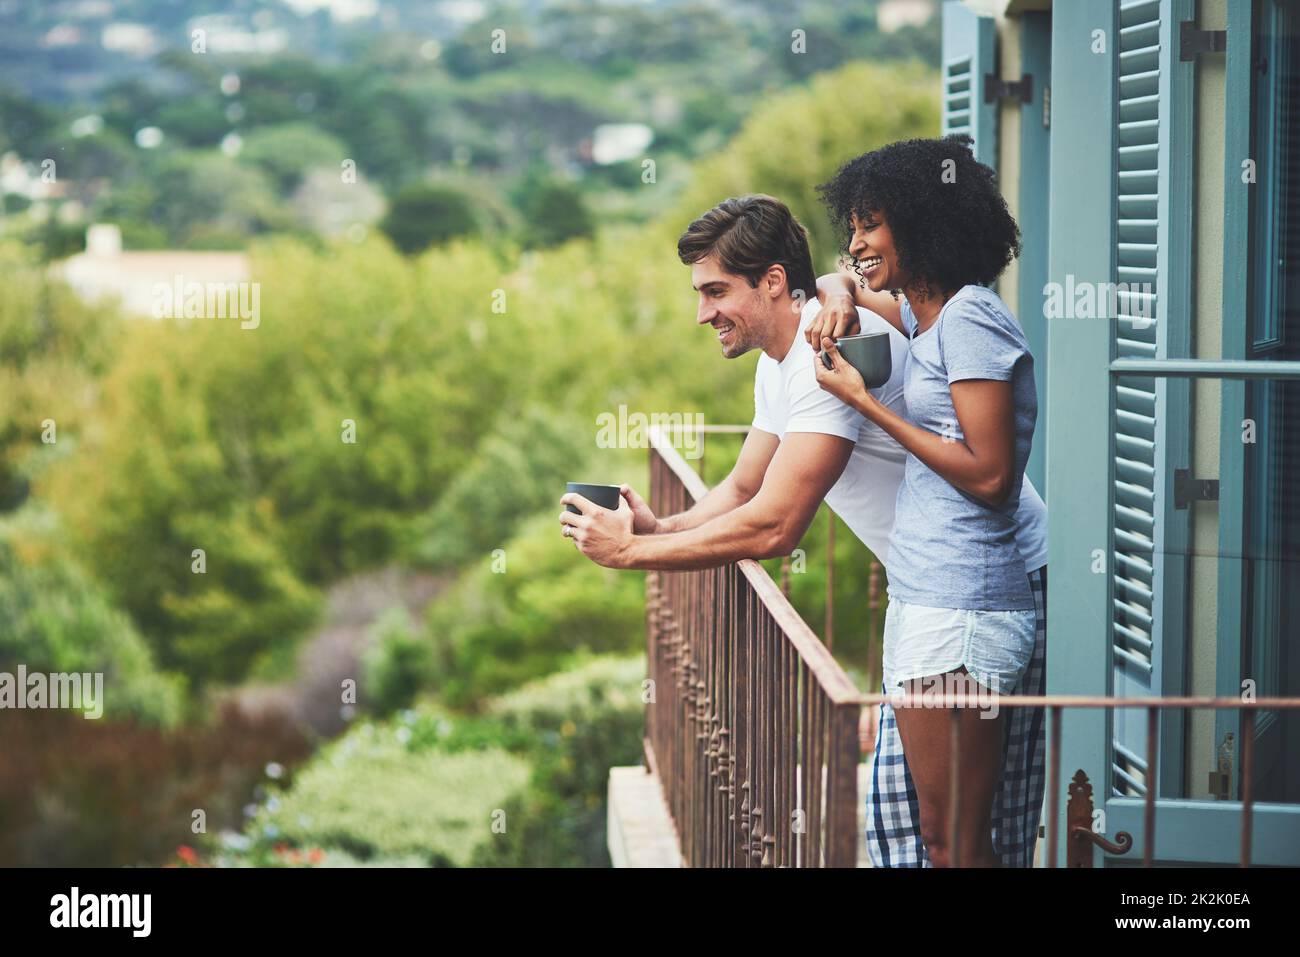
928, 232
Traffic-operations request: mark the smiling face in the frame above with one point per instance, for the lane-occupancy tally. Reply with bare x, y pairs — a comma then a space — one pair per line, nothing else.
872, 245
739, 313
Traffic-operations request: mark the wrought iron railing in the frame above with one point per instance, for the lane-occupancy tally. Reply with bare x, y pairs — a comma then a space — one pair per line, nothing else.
752, 727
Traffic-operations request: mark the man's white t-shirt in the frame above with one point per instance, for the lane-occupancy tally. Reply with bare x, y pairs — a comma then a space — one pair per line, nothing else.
787, 398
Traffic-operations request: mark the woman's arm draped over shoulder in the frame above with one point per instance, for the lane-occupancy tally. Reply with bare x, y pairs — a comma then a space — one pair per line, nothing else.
839, 293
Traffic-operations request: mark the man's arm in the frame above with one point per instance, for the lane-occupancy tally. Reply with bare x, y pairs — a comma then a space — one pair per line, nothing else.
802, 471
741, 484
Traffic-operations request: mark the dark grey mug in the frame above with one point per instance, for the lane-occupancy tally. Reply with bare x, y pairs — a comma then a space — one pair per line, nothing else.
869, 354
606, 496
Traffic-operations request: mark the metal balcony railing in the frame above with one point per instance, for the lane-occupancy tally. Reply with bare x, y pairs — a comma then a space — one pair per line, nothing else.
753, 726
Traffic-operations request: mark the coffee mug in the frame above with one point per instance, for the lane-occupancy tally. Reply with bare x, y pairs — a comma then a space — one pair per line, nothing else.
869, 354
606, 496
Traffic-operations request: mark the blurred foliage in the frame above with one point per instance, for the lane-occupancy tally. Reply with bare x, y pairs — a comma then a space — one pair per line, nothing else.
53, 346
83, 793
202, 199
57, 619
287, 150
370, 793
522, 785
412, 96
518, 471
554, 212
578, 724
428, 214
495, 631
397, 665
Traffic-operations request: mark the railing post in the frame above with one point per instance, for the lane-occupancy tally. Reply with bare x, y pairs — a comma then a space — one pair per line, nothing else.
830, 579
842, 796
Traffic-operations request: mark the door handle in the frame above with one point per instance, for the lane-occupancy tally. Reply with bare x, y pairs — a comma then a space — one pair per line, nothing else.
1078, 827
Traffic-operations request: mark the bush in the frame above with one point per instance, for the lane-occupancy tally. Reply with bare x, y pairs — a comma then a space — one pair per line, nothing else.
523, 784
53, 347
232, 440
373, 793
582, 722
397, 665
554, 212
78, 793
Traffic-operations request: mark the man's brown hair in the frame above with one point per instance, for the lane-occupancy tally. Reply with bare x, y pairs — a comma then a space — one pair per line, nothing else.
749, 234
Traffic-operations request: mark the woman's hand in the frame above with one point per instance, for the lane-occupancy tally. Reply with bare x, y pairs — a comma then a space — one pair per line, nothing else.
842, 380
838, 317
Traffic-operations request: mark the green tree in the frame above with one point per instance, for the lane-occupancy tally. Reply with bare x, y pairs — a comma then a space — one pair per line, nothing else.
517, 472
57, 619
287, 150
53, 347
554, 212
427, 214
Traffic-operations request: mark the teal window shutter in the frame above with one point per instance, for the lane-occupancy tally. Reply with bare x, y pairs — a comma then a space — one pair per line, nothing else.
969, 54
1153, 197
1138, 210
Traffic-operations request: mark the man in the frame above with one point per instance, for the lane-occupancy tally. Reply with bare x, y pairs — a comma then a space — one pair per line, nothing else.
752, 269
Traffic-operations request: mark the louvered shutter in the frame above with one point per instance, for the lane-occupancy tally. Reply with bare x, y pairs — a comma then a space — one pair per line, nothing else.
1136, 259
969, 52
1148, 570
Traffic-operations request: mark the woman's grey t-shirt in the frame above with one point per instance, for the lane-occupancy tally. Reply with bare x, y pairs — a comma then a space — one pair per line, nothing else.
948, 549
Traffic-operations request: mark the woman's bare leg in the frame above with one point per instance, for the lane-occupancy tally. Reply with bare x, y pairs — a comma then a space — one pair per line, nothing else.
926, 736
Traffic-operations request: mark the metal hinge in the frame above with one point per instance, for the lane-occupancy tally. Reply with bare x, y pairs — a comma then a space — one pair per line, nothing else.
1193, 42
1188, 489
1047, 106
1221, 777
996, 89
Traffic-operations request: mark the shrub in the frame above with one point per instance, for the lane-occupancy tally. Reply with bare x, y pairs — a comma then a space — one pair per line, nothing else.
582, 722
374, 793
397, 665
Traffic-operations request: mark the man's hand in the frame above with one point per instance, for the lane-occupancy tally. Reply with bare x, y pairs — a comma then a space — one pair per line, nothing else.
601, 535
643, 520
837, 317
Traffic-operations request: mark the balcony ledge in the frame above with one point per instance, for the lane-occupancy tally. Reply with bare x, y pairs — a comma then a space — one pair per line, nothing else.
640, 832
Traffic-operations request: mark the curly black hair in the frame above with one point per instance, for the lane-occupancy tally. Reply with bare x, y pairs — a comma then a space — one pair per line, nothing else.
950, 224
